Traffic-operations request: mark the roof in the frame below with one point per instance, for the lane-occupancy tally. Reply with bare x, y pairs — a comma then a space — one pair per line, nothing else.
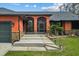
54, 16
4, 11
34, 13
63, 16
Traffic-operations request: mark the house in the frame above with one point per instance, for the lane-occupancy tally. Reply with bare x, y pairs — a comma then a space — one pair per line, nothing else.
14, 24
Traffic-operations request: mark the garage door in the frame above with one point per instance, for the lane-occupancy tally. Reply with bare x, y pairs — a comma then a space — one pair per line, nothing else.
5, 32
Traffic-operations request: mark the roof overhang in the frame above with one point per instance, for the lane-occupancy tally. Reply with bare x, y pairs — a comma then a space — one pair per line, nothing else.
26, 13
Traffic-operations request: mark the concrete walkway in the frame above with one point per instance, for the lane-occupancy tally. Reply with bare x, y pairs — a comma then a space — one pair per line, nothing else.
29, 42
4, 48
34, 42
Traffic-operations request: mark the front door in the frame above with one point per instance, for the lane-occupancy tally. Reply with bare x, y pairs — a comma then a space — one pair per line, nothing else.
30, 25
41, 24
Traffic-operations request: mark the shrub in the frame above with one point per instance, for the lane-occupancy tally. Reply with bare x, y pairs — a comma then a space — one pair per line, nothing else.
56, 29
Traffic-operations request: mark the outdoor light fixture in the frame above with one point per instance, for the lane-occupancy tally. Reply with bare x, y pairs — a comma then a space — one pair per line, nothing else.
13, 24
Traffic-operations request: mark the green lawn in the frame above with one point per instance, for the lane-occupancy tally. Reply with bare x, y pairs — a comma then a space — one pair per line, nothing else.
70, 45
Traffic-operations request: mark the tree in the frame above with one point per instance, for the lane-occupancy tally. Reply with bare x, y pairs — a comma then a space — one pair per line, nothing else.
72, 7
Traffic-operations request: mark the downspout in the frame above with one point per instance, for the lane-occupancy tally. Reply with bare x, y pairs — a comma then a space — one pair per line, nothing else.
19, 26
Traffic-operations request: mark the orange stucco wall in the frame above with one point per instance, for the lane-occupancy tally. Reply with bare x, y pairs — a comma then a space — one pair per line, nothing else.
47, 23
35, 23
13, 19
21, 24
67, 25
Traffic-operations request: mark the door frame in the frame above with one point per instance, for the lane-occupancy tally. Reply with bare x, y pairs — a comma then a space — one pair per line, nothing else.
41, 20
26, 22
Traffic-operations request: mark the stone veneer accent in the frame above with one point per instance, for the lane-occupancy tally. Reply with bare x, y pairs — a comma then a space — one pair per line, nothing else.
15, 36
68, 32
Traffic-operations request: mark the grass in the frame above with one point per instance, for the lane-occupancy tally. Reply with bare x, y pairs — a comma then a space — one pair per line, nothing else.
70, 48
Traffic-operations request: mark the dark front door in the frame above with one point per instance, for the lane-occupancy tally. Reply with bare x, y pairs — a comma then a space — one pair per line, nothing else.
41, 24
5, 32
30, 24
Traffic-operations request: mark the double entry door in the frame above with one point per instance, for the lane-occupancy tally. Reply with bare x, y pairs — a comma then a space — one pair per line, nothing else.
41, 25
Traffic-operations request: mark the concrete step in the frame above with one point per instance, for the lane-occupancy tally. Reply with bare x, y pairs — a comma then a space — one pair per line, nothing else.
29, 43
34, 35
28, 49
33, 38
51, 47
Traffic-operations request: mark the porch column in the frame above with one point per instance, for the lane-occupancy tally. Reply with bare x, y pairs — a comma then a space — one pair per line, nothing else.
35, 23
67, 27
47, 24
19, 26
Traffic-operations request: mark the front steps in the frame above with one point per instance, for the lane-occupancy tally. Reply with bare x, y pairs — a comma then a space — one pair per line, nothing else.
34, 42
31, 40
29, 43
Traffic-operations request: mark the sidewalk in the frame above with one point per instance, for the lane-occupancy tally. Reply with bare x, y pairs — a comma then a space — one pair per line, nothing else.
4, 48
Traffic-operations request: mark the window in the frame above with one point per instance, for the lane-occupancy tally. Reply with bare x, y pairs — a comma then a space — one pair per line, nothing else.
56, 22
75, 24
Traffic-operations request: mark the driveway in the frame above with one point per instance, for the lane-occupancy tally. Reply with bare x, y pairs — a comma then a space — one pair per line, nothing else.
4, 48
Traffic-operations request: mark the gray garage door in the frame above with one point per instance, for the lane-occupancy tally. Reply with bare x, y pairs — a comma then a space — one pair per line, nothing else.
5, 32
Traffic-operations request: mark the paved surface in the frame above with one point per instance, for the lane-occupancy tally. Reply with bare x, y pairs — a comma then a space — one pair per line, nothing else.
4, 48
29, 42
34, 42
